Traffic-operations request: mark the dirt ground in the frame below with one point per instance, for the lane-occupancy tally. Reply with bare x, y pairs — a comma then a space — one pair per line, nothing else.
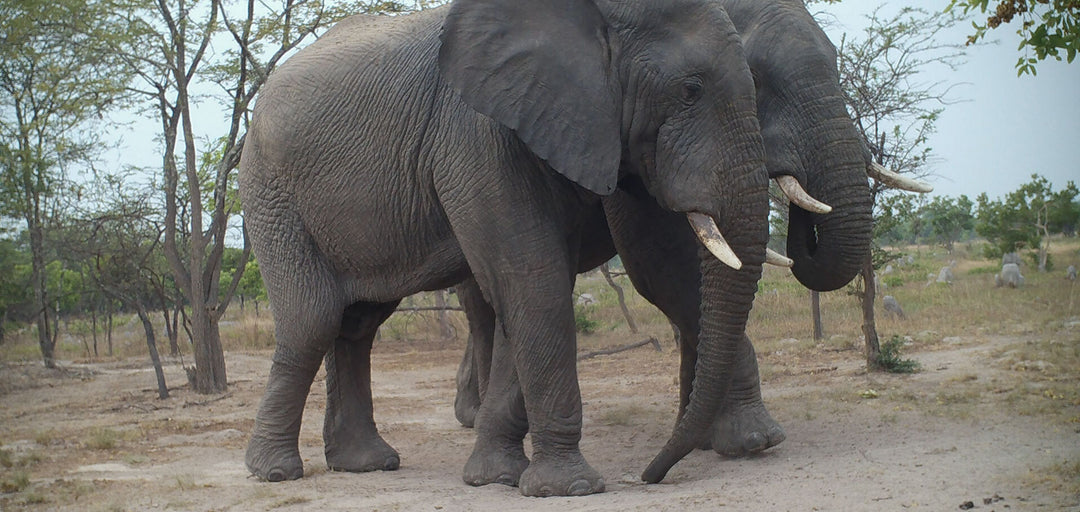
973, 426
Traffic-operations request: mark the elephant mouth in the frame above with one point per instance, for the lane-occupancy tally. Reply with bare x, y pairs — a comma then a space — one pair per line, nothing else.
709, 234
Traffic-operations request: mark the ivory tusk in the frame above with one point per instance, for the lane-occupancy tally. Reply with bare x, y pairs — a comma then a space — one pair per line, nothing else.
895, 180
709, 234
794, 191
774, 258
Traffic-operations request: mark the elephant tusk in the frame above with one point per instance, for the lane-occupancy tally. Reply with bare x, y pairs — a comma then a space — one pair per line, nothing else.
709, 234
794, 191
895, 180
774, 258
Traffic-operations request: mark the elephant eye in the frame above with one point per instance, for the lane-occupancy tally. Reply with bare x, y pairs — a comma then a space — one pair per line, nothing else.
691, 91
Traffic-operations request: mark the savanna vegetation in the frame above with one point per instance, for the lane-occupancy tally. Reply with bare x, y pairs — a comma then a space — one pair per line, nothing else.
132, 265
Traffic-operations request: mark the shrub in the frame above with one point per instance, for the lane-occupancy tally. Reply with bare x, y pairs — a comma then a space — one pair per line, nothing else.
984, 270
102, 439
582, 322
889, 359
15, 482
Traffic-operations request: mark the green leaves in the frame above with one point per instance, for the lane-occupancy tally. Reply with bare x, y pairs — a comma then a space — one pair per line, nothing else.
1047, 27
1021, 219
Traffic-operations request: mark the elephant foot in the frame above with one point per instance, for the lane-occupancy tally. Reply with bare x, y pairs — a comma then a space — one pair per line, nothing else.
273, 462
465, 408
567, 475
745, 429
372, 454
490, 464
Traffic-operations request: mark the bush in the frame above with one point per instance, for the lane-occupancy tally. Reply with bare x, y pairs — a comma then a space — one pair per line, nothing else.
582, 322
893, 281
984, 270
889, 359
15, 482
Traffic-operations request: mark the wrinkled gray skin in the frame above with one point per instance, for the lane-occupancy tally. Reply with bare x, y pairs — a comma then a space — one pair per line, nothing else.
409, 153
659, 253
808, 135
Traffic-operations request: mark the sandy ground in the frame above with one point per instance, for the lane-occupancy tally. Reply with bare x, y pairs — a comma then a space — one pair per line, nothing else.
968, 428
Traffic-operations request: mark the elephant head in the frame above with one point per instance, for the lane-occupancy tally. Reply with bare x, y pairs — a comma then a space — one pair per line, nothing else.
811, 142
652, 95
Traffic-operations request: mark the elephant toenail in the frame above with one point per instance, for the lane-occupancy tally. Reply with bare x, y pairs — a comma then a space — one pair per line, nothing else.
755, 442
777, 436
275, 475
391, 464
579, 488
506, 479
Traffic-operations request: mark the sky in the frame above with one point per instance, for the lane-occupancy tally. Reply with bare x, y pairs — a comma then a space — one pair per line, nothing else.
1003, 128
998, 132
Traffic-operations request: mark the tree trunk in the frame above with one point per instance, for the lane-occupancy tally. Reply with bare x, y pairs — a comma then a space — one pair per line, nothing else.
869, 327
108, 326
93, 325
1041, 222
41, 298
174, 329
209, 358
445, 331
622, 298
151, 343
815, 309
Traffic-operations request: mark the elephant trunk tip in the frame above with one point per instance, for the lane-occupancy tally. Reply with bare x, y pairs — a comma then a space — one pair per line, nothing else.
663, 462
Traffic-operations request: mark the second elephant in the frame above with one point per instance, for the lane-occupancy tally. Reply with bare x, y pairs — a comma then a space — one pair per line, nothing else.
810, 140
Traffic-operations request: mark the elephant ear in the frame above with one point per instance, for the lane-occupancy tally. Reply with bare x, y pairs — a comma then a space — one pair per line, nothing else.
543, 69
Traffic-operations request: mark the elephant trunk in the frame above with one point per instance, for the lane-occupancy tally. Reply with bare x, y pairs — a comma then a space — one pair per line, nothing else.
727, 294
829, 249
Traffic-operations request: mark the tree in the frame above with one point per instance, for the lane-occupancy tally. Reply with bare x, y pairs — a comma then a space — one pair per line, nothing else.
121, 242
175, 64
895, 112
57, 79
1047, 27
14, 280
1025, 218
949, 219
899, 219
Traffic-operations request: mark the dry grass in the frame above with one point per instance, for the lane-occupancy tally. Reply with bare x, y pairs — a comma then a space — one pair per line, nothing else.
968, 307
1045, 313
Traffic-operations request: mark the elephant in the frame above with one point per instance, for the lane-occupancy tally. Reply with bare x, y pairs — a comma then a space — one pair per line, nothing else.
664, 269
473, 141
810, 139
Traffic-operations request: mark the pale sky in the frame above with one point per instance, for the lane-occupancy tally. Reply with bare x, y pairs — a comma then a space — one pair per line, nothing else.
1004, 127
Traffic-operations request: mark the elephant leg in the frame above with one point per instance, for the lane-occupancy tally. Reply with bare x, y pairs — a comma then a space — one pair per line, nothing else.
528, 279
352, 443
501, 424
743, 426
305, 327
472, 376
540, 336
273, 453
665, 271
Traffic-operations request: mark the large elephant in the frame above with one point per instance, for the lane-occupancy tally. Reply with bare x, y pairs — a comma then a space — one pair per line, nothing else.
658, 250
402, 154
811, 140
